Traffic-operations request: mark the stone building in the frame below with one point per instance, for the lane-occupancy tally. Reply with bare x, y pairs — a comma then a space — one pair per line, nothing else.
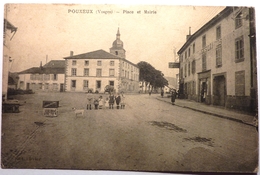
218, 62
97, 69
47, 78
9, 31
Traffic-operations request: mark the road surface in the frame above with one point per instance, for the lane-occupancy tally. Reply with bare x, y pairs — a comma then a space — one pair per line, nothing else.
148, 135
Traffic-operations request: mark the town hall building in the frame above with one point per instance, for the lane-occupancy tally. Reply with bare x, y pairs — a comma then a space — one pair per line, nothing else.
97, 69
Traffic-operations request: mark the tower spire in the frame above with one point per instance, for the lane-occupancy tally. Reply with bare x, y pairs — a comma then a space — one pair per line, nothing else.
118, 34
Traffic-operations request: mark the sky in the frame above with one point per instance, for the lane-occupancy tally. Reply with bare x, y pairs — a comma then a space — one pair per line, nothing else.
49, 32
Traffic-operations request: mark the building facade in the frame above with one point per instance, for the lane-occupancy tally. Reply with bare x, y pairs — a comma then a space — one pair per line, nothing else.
47, 78
97, 69
218, 62
9, 31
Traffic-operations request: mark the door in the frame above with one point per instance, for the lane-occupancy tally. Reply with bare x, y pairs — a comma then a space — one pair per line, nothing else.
27, 86
61, 87
219, 90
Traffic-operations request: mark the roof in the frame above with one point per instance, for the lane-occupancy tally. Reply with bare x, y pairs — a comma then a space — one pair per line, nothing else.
8, 25
226, 11
55, 64
98, 54
52, 67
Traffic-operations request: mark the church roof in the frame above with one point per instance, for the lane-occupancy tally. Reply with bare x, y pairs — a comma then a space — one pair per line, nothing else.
98, 54
117, 44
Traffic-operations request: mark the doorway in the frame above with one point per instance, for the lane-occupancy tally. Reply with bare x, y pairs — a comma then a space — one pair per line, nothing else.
219, 90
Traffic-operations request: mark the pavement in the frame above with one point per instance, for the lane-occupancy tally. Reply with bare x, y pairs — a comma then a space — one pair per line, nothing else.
237, 116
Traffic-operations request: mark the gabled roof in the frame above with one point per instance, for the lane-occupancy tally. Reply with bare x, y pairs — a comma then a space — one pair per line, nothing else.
52, 67
98, 54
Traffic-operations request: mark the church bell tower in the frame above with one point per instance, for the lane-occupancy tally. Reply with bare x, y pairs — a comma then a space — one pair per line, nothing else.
117, 46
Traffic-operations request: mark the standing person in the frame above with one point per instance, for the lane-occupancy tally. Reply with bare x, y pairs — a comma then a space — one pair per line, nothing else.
111, 101
173, 96
162, 92
122, 101
118, 100
106, 103
89, 102
100, 102
96, 102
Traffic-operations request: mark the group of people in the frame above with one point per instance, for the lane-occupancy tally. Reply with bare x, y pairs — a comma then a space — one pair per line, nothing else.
117, 101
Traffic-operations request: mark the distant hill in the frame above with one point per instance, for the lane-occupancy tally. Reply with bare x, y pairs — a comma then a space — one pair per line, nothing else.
172, 81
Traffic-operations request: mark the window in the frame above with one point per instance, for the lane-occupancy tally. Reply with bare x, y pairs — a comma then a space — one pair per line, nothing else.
46, 76
204, 62
112, 63
86, 63
189, 52
111, 72
33, 77
185, 70
39, 76
189, 69
123, 72
219, 56
238, 20
239, 48
181, 72
204, 41
74, 71
99, 63
193, 70
185, 54
46, 86
111, 83
193, 46
55, 77
86, 72
98, 85
218, 32
74, 62
123, 64
240, 83
40, 85
55, 86
99, 73
85, 84
73, 83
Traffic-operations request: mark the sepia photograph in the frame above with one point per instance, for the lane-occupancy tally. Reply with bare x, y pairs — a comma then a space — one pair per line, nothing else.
134, 88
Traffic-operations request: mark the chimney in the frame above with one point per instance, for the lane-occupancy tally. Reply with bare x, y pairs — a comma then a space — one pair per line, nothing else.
71, 53
41, 65
188, 36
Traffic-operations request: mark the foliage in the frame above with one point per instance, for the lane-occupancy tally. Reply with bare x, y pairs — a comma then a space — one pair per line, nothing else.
151, 75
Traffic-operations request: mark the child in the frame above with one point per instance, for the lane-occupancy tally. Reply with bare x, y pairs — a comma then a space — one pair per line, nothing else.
106, 104
111, 101
122, 101
89, 102
100, 102
118, 100
96, 102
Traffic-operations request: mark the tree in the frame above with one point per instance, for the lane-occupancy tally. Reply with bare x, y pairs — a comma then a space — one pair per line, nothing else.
151, 76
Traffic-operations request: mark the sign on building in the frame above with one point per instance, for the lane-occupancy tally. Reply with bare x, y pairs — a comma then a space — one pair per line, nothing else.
174, 65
